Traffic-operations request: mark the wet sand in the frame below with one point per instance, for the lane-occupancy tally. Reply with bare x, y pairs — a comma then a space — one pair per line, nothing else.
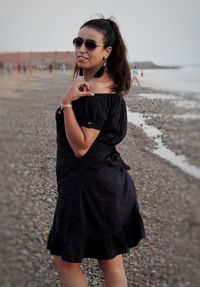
168, 197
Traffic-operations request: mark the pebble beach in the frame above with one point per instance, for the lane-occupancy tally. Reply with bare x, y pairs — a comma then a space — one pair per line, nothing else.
168, 194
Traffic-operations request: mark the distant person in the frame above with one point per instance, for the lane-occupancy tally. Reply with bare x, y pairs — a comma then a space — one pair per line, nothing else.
19, 67
50, 68
9, 68
30, 69
135, 70
97, 214
134, 77
24, 68
2, 67
62, 67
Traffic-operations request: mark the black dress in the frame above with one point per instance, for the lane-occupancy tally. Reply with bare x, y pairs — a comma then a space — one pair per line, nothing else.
96, 214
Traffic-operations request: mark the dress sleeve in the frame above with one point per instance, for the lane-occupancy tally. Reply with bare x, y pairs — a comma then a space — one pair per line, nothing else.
92, 112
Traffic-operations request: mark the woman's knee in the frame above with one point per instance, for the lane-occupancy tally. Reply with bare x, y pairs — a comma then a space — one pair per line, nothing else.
111, 264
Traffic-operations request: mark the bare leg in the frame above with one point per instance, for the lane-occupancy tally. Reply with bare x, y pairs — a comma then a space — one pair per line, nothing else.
70, 273
137, 81
113, 272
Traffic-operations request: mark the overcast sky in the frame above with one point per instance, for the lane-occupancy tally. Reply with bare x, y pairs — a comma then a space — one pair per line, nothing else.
162, 31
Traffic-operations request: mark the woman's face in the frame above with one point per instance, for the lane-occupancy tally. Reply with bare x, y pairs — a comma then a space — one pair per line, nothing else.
89, 59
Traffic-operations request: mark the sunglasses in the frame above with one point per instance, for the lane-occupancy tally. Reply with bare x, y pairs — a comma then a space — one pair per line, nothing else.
89, 44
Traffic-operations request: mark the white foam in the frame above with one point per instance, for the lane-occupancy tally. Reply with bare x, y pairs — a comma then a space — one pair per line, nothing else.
190, 104
153, 96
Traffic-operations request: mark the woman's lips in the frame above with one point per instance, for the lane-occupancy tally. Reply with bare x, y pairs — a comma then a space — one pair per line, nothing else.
81, 59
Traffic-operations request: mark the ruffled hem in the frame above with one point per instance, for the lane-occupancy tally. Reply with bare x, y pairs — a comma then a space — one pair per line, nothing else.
98, 247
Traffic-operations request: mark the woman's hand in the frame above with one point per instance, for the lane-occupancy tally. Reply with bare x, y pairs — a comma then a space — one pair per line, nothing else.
77, 90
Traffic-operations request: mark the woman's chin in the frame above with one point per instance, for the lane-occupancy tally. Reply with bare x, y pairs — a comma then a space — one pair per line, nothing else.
81, 66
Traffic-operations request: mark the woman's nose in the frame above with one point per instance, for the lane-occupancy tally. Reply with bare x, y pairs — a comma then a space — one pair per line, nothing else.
82, 48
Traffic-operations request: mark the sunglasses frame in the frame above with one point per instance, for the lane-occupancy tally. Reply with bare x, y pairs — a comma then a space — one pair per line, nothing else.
90, 44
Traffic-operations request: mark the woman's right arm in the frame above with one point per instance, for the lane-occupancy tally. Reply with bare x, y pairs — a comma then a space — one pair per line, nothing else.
79, 138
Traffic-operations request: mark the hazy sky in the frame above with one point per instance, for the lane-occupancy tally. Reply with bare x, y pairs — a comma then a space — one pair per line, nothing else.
162, 31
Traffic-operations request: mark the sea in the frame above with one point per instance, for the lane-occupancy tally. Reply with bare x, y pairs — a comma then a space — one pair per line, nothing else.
184, 80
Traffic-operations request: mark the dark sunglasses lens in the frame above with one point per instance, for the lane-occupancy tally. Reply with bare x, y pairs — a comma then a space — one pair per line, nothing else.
90, 45
78, 42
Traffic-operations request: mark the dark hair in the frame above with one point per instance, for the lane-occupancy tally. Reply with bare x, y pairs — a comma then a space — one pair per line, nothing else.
117, 64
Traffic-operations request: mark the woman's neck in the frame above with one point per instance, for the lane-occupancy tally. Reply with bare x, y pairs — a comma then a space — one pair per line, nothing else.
89, 74
103, 84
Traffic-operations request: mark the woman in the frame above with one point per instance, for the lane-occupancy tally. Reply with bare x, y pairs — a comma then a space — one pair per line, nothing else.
96, 214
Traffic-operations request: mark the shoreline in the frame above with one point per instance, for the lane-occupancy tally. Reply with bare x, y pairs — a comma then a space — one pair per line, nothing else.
168, 197
175, 120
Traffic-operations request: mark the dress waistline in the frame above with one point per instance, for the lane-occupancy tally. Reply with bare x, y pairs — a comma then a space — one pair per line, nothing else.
98, 152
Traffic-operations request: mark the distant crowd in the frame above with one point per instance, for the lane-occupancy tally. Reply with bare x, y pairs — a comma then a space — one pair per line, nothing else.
29, 68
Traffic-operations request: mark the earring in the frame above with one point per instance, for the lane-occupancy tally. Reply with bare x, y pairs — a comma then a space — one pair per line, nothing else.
100, 72
80, 72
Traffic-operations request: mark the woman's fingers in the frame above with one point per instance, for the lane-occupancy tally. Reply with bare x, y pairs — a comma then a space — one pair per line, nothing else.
79, 89
84, 89
84, 86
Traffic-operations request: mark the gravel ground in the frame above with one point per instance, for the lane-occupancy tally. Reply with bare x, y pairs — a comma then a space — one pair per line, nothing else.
169, 198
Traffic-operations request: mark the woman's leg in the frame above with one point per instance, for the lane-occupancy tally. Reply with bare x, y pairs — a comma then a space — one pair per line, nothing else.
113, 272
70, 273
